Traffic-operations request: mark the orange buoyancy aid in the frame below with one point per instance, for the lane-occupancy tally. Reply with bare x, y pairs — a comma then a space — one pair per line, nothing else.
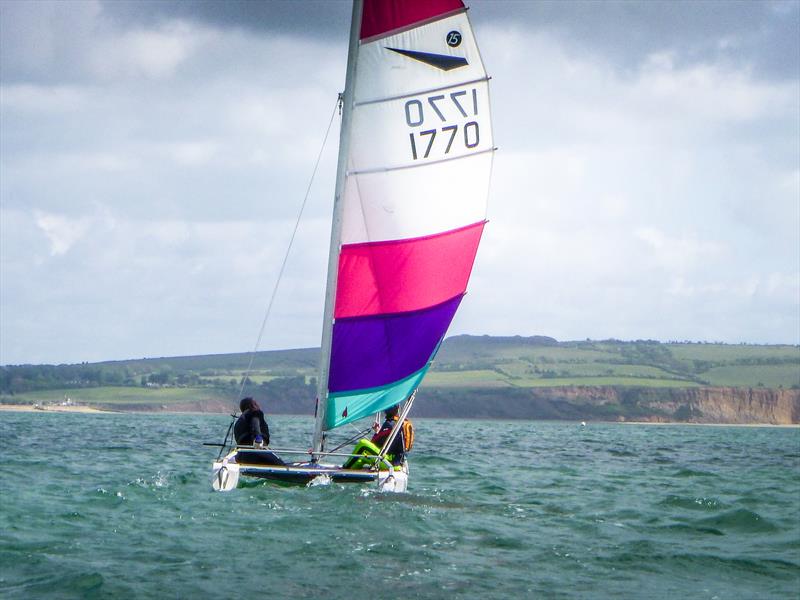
408, 435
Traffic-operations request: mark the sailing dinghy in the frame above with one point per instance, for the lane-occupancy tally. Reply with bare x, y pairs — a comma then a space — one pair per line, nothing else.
415, 159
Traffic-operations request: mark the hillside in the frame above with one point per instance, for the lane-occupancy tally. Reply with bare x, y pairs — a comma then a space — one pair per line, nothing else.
480, 376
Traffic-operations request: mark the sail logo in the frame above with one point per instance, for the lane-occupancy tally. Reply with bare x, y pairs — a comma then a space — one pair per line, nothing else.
445, 62
454, 39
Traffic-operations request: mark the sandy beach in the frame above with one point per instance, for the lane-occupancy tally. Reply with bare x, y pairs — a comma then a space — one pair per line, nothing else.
49, 408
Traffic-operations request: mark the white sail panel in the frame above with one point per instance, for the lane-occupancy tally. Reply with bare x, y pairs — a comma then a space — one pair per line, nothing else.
428, 127
385, 73
418, 201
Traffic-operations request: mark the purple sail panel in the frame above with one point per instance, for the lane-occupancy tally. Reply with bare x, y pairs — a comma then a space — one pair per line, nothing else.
368, 352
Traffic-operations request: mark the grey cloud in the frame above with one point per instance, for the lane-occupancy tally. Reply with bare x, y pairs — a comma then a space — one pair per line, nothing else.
183, 182
765, 34
43, 40
56, 42
309, 18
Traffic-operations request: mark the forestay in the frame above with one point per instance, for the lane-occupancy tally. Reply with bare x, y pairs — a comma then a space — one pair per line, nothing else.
414, 184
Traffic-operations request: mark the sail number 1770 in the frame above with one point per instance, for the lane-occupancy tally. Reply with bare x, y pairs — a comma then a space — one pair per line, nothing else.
443, 109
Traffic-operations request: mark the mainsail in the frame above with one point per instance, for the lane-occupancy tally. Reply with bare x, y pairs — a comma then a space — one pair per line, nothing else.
414, 166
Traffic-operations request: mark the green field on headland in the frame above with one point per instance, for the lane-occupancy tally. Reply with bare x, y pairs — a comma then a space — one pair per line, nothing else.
467, 370
537, 362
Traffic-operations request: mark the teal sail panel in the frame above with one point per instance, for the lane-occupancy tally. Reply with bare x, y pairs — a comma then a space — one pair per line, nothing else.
344, 407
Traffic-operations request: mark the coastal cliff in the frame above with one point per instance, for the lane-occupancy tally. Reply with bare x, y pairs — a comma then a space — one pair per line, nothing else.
608, 403
727, 405
723, 405
534, 377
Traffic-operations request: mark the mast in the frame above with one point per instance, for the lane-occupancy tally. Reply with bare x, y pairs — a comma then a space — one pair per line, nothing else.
336, 228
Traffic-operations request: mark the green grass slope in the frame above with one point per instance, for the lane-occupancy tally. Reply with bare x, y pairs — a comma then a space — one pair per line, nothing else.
465, 363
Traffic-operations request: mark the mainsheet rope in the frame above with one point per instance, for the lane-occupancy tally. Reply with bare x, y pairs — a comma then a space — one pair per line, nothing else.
268, 310
348, 441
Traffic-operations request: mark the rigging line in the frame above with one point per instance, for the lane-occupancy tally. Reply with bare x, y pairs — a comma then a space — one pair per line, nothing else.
286, 256
360, 434
224, 444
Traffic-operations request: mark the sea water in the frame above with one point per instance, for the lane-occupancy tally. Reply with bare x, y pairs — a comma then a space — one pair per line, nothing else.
120, 506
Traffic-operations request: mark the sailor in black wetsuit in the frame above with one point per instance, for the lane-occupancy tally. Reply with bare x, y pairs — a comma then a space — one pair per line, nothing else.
251, 427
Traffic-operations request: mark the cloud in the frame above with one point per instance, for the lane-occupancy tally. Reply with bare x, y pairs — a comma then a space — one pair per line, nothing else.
679, 253
61, 232
763, 37
313, 18
152, 164
39, 99
216, 143
44, 41
51, 42
195, 153
709, 92
116, 288
152, 54
619, 200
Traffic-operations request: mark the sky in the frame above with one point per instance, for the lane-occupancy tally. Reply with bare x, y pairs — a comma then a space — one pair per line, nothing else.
154, 156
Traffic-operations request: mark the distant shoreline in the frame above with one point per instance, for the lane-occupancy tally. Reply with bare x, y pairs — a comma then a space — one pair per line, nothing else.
789, 425
28, 408
50, 408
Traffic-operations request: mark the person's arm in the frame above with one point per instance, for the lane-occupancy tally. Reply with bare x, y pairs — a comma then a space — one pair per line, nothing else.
379, 438
265, 431
259, 428
255, 427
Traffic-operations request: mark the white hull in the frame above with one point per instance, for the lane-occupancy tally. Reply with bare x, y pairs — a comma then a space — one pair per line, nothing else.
227, 473
394, 482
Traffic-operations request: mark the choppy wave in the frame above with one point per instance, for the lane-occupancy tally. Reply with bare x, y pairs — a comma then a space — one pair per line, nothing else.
494, 510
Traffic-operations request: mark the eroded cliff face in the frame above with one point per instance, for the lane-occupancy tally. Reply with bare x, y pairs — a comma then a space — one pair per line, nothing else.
693, 405
732, 405
581, 403
607, 403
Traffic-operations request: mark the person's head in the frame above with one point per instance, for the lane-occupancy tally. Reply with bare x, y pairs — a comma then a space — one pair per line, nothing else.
247, 404
392, 411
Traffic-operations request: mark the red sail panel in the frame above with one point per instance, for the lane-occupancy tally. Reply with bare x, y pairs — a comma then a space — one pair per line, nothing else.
380, 278
382, 16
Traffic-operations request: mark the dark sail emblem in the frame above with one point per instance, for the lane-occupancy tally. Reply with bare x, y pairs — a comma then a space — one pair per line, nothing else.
344, 413
454, 39
445, 62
